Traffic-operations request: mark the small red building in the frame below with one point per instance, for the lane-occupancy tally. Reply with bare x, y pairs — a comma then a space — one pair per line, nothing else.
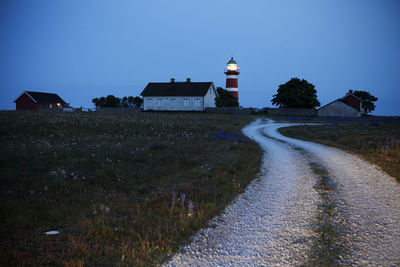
347, 106
353, 101
29, 100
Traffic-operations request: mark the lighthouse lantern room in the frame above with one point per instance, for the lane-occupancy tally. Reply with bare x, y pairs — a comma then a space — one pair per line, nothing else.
232, 72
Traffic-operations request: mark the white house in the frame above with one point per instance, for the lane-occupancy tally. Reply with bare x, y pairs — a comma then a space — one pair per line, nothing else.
179, 96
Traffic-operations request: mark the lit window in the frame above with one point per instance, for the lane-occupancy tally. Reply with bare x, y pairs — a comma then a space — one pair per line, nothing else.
150, 102
186, 102
173, 102
160, 102
232, 67
197, 102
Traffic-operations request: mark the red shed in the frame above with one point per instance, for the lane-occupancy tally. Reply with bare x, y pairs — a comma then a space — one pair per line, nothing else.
347, 106
37, 100
352, 100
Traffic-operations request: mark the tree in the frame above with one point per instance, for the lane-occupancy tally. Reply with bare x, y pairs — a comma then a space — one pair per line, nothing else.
102, 101
130, 101
112, 102
296, 93
95, 101
99, 102
225, 99
138, 101
367, 100
124, 102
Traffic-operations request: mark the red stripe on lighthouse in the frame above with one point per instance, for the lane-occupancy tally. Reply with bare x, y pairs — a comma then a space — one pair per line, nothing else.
231, 83
235, 94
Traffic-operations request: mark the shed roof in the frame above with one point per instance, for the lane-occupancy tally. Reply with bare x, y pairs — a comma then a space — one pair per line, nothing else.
43, 98
177, 89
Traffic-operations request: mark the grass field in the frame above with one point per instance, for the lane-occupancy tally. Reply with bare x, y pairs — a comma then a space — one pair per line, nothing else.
375, 139
122, 189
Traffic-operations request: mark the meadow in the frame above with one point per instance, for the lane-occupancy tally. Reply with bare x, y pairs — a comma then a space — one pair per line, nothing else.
120, 188
376, 139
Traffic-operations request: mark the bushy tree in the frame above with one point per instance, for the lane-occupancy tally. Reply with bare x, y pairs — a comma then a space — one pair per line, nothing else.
225, 99
111, 101
296, 93
367, 98
95, 101
138, 101
124, 102
130, 101
99, 102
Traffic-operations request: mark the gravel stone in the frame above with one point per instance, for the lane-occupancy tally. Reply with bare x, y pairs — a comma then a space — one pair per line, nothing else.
273, 222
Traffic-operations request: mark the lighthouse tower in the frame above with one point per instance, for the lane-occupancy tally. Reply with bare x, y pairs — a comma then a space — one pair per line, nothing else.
232, 72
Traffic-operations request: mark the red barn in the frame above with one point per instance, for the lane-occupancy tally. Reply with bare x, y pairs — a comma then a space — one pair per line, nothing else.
37, 100
353, 101
347, 106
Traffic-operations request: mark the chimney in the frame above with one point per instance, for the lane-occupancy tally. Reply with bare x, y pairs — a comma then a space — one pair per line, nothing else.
350, 92
188, 80
172, 80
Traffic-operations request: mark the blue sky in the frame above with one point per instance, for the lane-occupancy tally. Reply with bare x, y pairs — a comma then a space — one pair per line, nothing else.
86, 49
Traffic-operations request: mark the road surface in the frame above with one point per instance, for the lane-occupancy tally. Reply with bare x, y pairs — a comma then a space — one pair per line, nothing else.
310, 205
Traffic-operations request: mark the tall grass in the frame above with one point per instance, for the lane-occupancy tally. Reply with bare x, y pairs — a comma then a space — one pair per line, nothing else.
122, 189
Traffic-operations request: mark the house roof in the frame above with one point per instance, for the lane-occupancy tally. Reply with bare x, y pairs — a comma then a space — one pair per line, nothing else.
43, 98
177, 89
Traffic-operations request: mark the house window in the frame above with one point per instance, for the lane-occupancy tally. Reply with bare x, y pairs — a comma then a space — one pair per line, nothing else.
197, 102
173, 102
185, 102
150, 102
51, 105
160, 102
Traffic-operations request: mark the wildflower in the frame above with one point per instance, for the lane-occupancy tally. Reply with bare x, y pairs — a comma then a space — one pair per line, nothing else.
191, 207
183, 196
173, 201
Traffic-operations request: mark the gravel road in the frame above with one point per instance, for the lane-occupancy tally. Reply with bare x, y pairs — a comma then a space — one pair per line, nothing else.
311, 205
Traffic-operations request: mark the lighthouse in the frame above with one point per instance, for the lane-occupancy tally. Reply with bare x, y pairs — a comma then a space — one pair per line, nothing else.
232, 72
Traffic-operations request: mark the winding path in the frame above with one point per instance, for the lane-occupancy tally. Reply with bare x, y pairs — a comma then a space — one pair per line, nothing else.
311, 205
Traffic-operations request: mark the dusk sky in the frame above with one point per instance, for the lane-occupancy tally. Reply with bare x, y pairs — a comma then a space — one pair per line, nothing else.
85, 49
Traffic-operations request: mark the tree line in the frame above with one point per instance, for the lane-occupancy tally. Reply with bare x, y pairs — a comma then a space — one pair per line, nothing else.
298, 93
111, 101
